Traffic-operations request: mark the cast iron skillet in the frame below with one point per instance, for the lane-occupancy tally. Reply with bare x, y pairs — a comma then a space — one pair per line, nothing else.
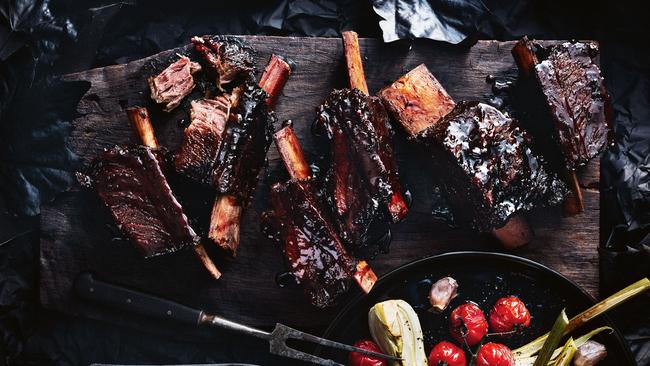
483, 278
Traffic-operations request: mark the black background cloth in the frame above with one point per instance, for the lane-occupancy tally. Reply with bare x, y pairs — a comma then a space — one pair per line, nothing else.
40, 39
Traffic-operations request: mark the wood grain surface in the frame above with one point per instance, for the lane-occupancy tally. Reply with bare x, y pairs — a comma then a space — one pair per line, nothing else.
77, 233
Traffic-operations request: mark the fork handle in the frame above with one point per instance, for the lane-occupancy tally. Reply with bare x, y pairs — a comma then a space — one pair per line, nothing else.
91, 289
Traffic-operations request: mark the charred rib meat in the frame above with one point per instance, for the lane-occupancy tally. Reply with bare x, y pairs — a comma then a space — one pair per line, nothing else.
574, 96
417, 100
245, 142
362, 174
487, 168
131, 184
490, 172
228, 59
314, 252
198, 152
174, 83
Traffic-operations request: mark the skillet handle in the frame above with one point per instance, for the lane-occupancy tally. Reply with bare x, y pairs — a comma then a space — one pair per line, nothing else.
93, 290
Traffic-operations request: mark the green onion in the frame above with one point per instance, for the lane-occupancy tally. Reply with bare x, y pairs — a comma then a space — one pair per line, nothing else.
552, 340
530, 360
609, 303
567, 353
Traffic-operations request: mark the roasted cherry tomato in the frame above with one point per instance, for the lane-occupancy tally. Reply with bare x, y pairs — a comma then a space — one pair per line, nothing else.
467, 324
495, 354
358, 359
509, 314
447, 354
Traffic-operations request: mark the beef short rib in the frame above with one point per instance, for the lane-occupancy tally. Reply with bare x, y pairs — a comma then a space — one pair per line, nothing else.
198, 152
418, 99
245, 143
315, 254
131, 184
362, 175
174, 83
486, 167
573, 94
228, 60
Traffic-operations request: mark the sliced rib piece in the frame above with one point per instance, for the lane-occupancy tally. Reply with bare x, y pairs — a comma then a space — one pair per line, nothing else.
198, 152
577, 109
132, 186
228, 59
245, 142
490, 172
174, 83
575, 95
315, 254
139, 118
226, 211
241, 157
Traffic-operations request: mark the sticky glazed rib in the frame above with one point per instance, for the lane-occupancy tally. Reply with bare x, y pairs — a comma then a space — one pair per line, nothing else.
361, 174
245, 142
228, 59
575, 97
174, 83
131, 184
243, 152
362, 180
484, 161
301, 221
314, 252
197, 155
490, 171
241, 156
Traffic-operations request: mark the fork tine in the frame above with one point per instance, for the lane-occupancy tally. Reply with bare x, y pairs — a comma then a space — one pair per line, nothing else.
296, 334
278, 346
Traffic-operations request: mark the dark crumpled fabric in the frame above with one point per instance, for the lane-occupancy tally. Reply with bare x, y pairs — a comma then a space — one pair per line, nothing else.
41, 37
35, 111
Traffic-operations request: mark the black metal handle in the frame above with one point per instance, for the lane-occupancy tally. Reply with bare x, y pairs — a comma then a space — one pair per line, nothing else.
121, 298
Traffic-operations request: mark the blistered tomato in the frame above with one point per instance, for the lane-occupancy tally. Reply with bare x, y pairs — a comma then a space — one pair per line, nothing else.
495, 354
446, 353
357, 359
467, 324
509, 314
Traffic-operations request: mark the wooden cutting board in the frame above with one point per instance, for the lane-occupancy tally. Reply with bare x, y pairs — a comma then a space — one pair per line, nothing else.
77, 234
